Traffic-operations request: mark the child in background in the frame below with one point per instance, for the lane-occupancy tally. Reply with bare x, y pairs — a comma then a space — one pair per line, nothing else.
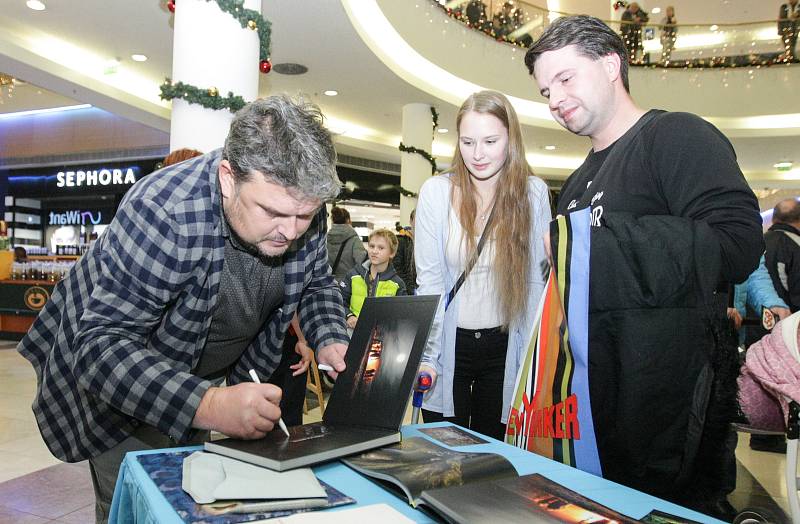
376, 277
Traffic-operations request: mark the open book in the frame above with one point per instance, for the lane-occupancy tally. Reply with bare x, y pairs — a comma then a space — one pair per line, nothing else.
417, 464
369, 399
475, 487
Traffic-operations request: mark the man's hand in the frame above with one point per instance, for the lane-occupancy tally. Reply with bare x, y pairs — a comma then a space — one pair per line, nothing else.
333, 356
305, 352
247, 410
351, 321
780, 312
734, 315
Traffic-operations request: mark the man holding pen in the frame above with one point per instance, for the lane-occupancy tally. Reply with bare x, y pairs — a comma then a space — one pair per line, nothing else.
195, 281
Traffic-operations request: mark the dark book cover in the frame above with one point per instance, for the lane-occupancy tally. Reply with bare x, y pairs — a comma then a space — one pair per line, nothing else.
369, 398
417, 464
530, 498
661, 517
166, 472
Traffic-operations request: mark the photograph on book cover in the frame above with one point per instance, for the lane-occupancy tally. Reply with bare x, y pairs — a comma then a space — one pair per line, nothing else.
382, 362
660, 517
453, 436
530, 498
166, 471
417, 464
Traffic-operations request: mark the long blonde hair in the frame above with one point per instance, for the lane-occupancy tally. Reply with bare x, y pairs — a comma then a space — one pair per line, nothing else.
511, 223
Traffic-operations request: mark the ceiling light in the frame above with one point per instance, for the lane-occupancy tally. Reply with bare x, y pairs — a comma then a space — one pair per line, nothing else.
550, 148
330, 92
139, 58
36, 5
44, 111
442, 130
783, 166
714, 27
656, 10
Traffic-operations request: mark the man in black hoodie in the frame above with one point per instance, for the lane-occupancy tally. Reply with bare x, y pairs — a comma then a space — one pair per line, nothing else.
783, 251
672, 221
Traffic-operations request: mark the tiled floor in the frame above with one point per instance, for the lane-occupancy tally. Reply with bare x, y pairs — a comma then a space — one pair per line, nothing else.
36, 488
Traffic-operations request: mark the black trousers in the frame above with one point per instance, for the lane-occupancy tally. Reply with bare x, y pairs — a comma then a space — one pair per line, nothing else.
294, 388
478, 382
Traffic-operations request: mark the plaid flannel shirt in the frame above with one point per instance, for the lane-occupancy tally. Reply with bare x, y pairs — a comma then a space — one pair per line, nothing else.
116, 343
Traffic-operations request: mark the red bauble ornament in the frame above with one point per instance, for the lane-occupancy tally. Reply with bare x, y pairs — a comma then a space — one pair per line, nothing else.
171, 6
265, 66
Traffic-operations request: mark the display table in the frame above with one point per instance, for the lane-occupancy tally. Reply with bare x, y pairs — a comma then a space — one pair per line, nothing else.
20, 302
138, 500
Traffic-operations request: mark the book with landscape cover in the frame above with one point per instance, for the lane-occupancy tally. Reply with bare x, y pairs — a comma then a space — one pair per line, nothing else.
417, 464
369, 398
530, 498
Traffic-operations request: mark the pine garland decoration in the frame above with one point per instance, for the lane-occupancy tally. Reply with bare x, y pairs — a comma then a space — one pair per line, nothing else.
253, 20
435, 116
405, 192
208, 98
427, 156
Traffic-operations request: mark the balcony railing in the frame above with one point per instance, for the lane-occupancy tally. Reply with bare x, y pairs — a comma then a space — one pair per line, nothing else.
651, 44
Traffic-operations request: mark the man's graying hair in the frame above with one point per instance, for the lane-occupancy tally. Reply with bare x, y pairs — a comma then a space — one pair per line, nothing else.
284, 140
590, 35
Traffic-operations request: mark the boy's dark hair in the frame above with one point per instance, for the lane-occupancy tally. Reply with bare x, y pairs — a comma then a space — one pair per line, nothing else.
590, 35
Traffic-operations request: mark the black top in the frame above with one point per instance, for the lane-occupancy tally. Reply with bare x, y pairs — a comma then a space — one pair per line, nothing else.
678, 165
783, 263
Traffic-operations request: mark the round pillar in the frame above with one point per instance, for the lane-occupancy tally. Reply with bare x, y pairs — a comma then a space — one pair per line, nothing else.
414, 168
210, 49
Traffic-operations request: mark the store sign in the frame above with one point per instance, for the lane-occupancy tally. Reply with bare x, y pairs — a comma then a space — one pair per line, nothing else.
74, 218
96, 177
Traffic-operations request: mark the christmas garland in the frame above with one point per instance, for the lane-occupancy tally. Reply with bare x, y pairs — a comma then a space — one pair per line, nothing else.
405, 192
210, 97
435, 117
250, 19
427, 156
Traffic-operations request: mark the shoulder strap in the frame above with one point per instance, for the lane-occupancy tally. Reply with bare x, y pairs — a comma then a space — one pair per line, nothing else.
339, 254
794, 236
472, 261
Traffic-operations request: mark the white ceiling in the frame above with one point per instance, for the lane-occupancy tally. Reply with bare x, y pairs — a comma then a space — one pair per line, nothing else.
371, 94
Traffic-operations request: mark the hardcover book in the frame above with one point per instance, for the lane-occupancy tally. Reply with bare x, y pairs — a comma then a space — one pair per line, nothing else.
417, 464
369, 399
530, 498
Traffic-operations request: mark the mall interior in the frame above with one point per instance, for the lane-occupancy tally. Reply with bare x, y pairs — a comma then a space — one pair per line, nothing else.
82, 120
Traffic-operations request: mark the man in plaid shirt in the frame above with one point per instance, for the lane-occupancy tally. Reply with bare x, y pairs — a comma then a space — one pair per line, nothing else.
195, 281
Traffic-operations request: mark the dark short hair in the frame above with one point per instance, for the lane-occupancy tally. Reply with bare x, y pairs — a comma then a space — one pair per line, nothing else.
340, 215
590, 35
786, 212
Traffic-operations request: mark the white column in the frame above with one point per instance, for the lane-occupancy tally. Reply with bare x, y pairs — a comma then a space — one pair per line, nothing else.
210, 49
414, 168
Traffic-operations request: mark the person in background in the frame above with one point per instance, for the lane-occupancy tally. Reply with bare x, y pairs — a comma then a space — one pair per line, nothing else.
479, 337
345, 249
376, 277
20, 255
291, 374
633, 18
403, 261
179, 155
788, 21
783, 251
194, 282
654, 337
669, 33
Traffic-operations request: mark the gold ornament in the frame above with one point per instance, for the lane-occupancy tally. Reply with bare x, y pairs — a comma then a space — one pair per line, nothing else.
212, 91
252, 25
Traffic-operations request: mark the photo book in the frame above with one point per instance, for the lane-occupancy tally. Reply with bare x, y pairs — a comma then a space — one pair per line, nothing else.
369, 399
464, 487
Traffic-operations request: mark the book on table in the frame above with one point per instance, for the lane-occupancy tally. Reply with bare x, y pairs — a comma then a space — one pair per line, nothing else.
464, 486
369, 399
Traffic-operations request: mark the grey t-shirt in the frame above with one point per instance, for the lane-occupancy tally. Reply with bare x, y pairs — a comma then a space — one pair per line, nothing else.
250, 289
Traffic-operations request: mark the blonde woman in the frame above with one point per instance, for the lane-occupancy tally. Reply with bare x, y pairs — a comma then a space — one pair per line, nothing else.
479, 337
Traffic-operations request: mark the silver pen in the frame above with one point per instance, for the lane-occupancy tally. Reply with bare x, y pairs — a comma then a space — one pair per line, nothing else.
255, 378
